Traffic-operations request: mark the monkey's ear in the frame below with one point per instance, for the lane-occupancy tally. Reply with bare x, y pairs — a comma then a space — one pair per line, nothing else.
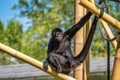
53, 33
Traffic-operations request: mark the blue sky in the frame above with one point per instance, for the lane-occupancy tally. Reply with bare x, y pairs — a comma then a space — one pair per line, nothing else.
6, 13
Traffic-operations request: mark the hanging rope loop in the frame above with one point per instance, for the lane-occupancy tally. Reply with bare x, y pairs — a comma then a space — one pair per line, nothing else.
101, 13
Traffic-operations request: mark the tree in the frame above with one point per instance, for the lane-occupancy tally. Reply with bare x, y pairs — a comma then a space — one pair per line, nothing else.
3, 57
14, 34
12, 37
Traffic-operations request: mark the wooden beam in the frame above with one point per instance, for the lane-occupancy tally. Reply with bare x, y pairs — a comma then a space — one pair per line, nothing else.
91, 7
78, 44
33, 62
27, 71
116, 68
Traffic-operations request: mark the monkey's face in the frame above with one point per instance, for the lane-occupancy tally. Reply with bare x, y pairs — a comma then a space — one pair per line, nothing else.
59, 35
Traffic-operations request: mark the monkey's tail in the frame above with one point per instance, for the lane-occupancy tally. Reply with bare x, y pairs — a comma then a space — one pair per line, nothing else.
82, 55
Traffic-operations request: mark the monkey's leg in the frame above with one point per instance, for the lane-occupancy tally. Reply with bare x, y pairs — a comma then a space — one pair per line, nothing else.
45, 65
54, 61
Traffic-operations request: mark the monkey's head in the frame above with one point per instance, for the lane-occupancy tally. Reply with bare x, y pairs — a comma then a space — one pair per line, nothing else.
57, 34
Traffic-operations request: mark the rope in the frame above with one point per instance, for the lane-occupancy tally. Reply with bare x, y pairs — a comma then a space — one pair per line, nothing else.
108, 46
101, 13
108, 42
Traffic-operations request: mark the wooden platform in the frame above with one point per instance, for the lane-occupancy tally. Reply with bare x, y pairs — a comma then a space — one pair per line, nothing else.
98, 65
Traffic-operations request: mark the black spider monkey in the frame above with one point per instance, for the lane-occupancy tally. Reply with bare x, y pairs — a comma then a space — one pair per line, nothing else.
64, 48
59, 55
57, 39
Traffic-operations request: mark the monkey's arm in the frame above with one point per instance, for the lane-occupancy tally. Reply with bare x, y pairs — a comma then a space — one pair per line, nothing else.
82, 55
45, 63
50, 46
61, 48
72, 31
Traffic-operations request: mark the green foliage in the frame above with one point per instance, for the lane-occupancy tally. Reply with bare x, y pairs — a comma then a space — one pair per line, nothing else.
98, 77
1, 32
114, 10
3, 57
12, 37
14, 34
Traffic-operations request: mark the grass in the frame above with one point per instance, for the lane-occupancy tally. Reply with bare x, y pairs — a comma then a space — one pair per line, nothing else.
98, 77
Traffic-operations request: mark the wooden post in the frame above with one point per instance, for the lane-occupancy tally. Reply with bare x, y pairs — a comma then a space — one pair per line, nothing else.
86, 62
96, 11
78, 73
32, 61
116, 68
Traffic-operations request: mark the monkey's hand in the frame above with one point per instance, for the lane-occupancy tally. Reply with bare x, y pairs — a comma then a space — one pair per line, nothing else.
45, 65
58, 52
